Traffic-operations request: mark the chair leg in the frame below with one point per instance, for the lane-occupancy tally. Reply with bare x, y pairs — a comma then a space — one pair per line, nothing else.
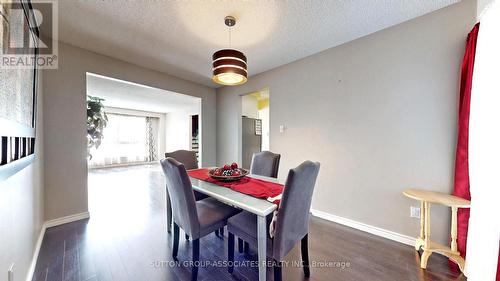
305, 255
240, 245
277, 270
196, 259
175, 247
246, 248
221, 232
230, 252
216, 232
169, 214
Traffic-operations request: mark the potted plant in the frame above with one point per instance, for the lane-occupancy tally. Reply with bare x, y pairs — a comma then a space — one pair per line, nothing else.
96, 122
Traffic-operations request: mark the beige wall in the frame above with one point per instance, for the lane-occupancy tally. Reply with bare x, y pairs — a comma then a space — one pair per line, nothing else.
65, 115
379, 113
21, 210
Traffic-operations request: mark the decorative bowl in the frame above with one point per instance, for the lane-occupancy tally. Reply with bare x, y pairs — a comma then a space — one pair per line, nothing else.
243, 173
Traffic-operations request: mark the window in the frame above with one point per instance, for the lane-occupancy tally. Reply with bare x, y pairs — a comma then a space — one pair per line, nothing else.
126, 140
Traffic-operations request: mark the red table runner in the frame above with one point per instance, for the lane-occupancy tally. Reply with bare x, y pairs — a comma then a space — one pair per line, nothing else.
247, 185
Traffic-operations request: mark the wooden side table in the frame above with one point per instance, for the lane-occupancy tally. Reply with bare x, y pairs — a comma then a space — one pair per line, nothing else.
426, 197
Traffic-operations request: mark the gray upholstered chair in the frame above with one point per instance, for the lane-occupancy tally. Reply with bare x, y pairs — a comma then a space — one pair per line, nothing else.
186, 157
266, 164
292, 224
196, 218
190, 161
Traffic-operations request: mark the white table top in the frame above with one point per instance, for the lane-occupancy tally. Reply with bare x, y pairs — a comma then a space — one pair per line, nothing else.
260, 207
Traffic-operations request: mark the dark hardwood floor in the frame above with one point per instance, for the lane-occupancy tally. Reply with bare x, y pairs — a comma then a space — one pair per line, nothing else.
126, 239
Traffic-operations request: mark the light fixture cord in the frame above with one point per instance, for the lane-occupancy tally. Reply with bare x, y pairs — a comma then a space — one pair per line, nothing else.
229, 36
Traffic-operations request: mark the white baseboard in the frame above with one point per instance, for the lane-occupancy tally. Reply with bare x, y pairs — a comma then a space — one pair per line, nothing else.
117, 165
38, 245
67, 219
391, 235
45, 225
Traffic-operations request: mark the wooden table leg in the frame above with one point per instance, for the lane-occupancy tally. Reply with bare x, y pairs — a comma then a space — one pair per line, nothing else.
420, 240
454, 229
422, 219
424, 240
427, 233
455, 254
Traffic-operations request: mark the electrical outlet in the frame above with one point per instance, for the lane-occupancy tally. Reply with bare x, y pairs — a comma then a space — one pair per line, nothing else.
10, 276
415, 212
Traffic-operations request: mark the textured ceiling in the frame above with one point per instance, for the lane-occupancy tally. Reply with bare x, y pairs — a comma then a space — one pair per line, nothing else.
128, 95
179, 37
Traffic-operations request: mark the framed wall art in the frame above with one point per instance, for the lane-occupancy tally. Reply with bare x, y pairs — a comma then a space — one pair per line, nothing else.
18, 87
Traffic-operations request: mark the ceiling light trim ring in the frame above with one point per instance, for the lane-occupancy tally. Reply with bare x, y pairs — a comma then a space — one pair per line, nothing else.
230, 58
230, 70
217, 80
229, 62
230, 66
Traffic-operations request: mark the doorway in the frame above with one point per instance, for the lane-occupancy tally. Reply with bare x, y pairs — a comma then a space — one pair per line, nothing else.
143, 124
254, 125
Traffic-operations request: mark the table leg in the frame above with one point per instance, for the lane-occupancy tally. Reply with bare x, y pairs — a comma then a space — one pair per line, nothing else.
454, 229
427, 233
422, 220
262, 247
420, 240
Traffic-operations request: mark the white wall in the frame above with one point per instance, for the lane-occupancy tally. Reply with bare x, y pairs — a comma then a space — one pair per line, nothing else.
178, 131
178, 128
483, 236
481, 6
249, 107
21, 209
64, 105
379, 113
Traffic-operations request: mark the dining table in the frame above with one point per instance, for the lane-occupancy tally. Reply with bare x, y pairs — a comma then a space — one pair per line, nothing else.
258, 206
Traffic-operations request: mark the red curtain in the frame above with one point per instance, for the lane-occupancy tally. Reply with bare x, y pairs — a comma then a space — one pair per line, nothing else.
461, 188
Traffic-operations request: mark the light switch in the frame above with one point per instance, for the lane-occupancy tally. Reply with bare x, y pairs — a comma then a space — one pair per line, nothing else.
282, 128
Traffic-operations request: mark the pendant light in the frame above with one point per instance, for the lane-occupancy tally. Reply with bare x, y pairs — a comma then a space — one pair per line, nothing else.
229, 66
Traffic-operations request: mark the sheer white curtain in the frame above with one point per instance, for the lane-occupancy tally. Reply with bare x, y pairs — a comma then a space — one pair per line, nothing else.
125, 141
484, 152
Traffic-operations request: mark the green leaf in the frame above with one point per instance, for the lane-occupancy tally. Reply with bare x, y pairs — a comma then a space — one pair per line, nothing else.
96, 122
